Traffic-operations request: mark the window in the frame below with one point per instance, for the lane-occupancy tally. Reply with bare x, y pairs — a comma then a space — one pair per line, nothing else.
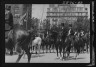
48, 9
83, 14
86, 14
58, 14
48, 14
81, 8
85, 8
79, 14
63, 14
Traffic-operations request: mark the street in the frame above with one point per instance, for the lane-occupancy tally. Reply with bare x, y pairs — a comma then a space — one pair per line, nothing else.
49, 58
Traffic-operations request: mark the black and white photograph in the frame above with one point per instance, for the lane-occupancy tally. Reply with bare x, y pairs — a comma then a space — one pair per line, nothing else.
47, 33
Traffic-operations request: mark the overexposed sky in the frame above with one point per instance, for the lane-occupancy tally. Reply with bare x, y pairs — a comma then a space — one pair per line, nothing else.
39, 10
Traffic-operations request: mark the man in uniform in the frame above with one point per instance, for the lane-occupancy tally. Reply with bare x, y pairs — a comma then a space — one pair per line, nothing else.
8, 17
9, 25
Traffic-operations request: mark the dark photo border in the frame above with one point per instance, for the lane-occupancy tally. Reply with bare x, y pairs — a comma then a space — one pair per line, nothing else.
92, 30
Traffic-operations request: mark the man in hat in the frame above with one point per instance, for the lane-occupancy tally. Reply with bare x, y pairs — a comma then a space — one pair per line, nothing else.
9, 27
8, 17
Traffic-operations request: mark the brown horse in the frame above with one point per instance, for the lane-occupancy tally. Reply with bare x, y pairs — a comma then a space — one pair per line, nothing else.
23, 39
9, 43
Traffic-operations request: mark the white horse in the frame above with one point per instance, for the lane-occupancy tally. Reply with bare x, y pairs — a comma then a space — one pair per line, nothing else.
37, 43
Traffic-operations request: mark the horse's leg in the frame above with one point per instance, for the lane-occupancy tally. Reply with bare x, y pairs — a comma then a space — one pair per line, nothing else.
50, 48
46, 48
11, 52
28, 54
68, 51
87, 47
43, 48
57, 50
60, 52
36, 49
24, 54
60, 48
19, 57
63, 54
39, 49
77, 53
53, 47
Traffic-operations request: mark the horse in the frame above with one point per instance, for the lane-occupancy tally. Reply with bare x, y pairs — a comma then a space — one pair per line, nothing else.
9, 43
23, 39
37, 43
64, 35
77, 44
53, 39
58, 44
86, 40
67, 46
47, 42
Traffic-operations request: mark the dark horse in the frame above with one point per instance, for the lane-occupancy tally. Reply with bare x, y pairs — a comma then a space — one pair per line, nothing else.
9, 43
58, 44
77, 45
67, 46
23, 39
86, 40
47, 42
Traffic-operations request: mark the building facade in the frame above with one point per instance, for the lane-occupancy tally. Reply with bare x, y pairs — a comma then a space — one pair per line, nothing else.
58, 13
18, 10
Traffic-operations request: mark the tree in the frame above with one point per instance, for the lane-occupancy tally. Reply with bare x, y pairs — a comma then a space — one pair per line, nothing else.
78, 26
46, 26
86, 25
34, 24
81, 24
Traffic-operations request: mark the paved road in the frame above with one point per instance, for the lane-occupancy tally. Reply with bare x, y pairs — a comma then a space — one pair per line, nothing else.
50, 58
